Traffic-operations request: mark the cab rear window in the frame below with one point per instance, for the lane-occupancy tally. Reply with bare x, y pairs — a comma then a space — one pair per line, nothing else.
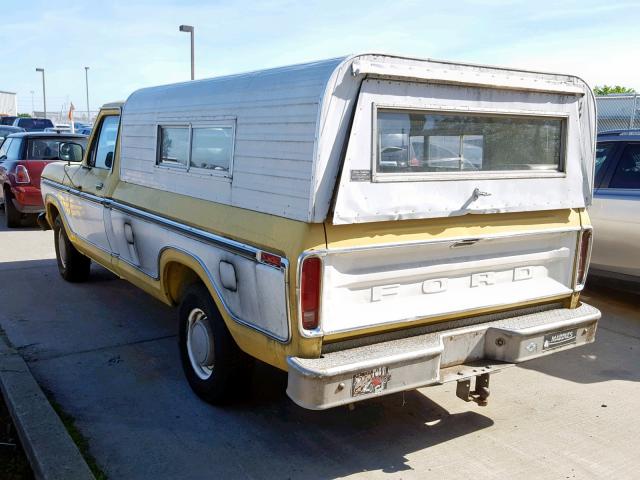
47, 148
431, 143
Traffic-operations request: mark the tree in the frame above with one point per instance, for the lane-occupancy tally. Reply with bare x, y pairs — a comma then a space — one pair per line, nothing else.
608, 89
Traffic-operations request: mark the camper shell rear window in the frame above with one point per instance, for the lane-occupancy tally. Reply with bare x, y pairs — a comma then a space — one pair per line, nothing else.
431, 144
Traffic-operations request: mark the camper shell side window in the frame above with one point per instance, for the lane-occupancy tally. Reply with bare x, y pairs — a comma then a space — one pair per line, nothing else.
199, 148
430, 144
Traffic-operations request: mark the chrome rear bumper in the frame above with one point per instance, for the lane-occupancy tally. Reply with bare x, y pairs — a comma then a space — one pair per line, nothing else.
360, 373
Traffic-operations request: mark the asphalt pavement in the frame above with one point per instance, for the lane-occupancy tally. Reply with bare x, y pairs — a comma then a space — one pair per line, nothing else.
107, 353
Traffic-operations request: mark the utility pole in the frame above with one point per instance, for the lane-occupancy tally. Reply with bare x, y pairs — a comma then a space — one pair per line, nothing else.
190, 29
86, 80
44, 91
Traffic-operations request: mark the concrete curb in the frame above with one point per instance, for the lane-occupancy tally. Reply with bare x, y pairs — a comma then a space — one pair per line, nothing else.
51, 452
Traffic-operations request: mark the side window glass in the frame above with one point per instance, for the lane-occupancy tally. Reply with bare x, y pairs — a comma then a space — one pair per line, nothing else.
13, 152
627, 174
173, 143
212, 148
603, 152
103, 151
5, 147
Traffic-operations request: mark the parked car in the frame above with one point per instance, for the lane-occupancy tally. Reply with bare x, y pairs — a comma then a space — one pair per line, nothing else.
59, 129
80, 128
271, 209
33, 124
7, 120
6, 130
23, 156
84, 130
615, 212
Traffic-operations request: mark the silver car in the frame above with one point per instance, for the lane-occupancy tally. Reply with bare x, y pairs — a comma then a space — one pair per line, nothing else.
616, 206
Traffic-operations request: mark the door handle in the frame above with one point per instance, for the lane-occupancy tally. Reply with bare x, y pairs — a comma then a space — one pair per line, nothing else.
99, 185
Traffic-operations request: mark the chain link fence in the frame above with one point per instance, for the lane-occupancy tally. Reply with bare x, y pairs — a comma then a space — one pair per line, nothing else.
618, 112
63, 116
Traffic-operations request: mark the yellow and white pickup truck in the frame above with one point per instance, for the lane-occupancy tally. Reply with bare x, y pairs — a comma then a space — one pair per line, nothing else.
369, 224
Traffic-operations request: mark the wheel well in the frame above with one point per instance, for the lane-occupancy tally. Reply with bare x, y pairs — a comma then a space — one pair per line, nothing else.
177, 277
53, 212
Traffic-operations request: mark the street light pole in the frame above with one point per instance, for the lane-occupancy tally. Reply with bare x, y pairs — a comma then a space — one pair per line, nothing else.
44, 91
190, 29
86, 80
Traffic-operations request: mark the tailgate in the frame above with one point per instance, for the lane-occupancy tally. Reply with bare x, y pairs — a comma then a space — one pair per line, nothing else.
387, 284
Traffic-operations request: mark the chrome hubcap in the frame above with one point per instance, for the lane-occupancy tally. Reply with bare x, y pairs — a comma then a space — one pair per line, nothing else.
200, 343
62, 249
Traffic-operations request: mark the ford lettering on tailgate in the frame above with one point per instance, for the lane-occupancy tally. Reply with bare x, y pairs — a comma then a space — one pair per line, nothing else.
439, 285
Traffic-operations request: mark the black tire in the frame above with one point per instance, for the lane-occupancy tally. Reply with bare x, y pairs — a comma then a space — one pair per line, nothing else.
72, 265
12, 216
227, 370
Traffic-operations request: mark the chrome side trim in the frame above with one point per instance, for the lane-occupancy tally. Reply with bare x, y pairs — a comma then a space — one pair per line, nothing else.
228, 244
233, 246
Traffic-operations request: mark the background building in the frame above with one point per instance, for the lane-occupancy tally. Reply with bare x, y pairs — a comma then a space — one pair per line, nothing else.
8, 103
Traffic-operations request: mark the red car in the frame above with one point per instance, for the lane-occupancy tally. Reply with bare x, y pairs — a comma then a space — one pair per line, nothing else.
23, 156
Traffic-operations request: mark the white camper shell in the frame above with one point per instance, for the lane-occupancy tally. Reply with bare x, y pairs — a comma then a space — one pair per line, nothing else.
411, 133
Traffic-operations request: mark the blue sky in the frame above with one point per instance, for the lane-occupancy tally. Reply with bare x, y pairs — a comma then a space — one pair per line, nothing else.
136, 43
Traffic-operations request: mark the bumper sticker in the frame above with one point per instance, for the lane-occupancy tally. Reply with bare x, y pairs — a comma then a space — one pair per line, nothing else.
559, 339
372, 381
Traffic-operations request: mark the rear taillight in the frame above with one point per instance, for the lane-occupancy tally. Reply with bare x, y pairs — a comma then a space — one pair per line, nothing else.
584, 254
310, 280
22, 174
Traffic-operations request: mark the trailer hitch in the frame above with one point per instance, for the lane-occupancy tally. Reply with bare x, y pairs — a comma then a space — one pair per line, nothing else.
481, 393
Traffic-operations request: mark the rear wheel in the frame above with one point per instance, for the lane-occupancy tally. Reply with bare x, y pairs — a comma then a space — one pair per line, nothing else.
72, 265
11, 214
214, 365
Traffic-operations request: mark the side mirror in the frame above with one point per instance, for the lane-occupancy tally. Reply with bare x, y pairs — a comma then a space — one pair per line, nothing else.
70, 152
108, 161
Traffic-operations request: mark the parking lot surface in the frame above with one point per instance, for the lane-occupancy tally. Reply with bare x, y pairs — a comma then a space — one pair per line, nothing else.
108, 354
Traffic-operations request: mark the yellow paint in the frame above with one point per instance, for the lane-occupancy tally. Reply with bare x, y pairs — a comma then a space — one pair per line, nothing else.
362, 234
